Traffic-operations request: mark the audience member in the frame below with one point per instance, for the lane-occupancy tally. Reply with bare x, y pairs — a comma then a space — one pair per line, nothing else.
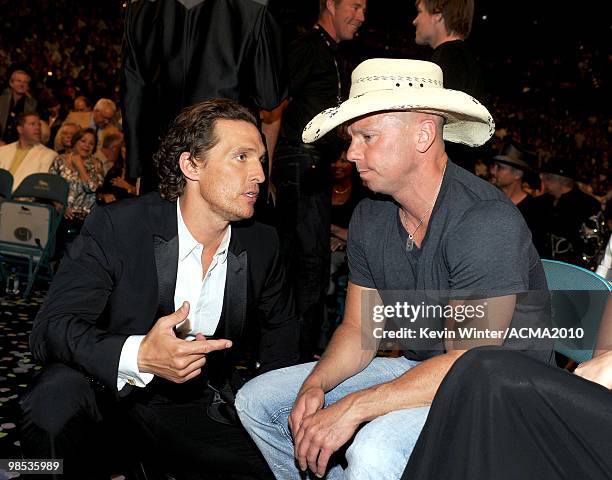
63, 138
572, 223
444, 25
317, 80
102, 119
437, 229
347, 192
146, 276
16, 99
52, 117
81, 104
109, 151
508, 171
83, 172
116, 186
27, 155
176, 56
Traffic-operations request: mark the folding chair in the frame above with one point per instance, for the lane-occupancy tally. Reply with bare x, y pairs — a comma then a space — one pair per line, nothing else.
578, 298
6, 183
29, 222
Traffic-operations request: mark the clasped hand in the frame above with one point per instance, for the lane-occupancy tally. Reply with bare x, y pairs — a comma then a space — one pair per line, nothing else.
172, 358
319, 432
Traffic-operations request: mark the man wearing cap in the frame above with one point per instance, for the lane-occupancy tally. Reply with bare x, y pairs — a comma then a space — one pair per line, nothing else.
573, 224
508, 172
438, 228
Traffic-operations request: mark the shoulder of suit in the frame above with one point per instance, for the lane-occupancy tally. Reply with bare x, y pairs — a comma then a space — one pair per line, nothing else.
252, 231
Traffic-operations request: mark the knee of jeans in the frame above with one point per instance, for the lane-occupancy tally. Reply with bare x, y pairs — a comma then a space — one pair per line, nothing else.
60, 395
373, 459
250, 399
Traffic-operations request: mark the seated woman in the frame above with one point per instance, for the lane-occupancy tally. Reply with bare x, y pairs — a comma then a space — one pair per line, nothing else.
500, 415
347, 192
84, 175
116, 185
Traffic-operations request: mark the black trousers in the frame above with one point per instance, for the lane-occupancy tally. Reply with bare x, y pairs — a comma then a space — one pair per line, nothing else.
303, 182
502, 415
65, 415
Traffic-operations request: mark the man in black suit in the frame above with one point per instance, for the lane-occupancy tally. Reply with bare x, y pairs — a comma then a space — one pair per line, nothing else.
146, 276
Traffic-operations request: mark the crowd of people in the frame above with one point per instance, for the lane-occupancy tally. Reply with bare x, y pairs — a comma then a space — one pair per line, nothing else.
165, 306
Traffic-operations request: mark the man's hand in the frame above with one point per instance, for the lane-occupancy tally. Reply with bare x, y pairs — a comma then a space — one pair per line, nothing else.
323, 433
308, 401
167, 356
598, 370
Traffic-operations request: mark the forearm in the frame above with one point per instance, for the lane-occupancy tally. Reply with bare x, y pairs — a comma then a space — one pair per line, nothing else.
343, 358
415, 388
270, 126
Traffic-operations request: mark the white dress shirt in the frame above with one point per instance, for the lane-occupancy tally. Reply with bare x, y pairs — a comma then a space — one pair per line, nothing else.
204, 292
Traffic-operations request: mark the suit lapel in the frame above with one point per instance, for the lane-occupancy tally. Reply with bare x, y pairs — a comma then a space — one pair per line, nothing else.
166, 258
235, 299
166, 250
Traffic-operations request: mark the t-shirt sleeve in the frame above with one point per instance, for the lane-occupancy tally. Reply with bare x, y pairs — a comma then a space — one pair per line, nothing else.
488, 254
359, 270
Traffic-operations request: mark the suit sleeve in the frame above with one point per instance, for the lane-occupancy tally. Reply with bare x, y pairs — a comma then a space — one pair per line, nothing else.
279, 329
70, 326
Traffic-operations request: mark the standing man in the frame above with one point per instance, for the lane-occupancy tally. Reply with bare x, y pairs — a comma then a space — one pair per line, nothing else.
14, 100
437, 228
318, 79
143, 278
178, 53
444, 25
27, 155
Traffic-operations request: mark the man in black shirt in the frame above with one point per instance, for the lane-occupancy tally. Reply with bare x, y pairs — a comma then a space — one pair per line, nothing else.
572, 223
317, 80
444, 25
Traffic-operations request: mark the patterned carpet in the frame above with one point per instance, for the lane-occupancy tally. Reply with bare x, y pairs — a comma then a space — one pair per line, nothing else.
16, 368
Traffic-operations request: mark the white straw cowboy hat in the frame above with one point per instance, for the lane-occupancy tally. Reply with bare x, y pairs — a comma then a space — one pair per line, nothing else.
386, 84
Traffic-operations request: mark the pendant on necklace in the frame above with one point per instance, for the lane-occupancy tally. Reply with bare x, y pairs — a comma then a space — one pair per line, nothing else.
409, 243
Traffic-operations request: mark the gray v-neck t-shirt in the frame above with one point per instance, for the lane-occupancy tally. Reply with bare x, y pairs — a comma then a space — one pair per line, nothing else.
477, 245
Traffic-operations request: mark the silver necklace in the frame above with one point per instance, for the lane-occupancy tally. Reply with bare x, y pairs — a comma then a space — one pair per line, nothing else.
410, 239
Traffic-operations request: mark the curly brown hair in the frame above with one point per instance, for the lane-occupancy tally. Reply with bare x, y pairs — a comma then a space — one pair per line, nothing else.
193, 131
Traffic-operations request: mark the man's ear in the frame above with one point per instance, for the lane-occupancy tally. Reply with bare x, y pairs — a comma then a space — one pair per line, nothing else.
188, 166
426, 134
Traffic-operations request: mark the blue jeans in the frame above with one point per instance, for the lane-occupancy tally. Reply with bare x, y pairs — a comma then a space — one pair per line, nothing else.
381, 448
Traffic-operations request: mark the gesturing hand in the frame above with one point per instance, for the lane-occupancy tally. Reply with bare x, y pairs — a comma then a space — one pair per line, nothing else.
167, 356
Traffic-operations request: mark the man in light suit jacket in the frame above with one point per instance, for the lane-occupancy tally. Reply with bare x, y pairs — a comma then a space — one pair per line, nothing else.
144, 277
27, 155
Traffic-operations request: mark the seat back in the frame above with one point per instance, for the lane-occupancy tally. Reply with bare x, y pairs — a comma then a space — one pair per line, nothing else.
29, 222
43, 186
6, 183
578, 298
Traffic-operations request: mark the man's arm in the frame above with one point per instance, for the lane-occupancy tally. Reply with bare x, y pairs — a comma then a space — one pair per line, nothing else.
343, 358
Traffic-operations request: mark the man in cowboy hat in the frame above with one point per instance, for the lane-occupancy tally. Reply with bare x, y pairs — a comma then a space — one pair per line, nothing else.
438, 228
508, 171
572, 222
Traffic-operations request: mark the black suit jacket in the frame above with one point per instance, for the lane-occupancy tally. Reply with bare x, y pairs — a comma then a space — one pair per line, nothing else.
118, 277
